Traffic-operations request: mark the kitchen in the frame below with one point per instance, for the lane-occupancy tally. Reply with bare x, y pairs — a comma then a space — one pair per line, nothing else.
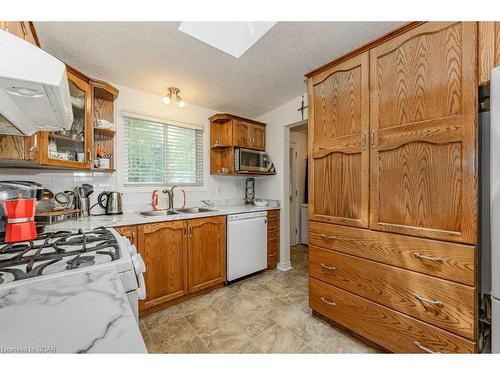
154, 194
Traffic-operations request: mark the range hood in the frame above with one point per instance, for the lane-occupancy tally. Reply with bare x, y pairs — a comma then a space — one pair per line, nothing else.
34, 92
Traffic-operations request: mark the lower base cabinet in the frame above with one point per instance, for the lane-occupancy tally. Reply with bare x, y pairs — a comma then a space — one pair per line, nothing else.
388, 328
273, 238
182, 257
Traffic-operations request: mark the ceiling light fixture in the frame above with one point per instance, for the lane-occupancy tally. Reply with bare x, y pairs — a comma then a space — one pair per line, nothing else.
173, 93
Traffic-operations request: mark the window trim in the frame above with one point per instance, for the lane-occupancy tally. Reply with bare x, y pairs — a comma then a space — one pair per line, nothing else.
147, 186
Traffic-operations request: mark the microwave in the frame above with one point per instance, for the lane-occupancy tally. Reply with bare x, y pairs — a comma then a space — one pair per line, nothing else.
246, 160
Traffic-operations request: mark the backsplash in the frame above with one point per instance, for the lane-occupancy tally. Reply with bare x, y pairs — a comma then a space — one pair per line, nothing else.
229, 189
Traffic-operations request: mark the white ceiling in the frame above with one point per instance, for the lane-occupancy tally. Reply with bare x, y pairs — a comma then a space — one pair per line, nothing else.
152, 56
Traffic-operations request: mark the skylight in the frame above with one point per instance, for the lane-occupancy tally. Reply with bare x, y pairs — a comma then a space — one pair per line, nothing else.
234, 38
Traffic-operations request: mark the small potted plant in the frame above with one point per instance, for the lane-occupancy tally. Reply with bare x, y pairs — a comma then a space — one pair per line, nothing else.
103, 159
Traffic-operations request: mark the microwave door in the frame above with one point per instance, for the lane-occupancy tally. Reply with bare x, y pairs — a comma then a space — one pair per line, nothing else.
253, 161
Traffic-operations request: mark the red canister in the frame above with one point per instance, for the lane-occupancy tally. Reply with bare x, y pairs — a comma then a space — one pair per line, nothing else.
20, 214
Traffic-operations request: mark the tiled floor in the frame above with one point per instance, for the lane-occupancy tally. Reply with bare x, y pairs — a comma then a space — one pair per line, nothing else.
267, 313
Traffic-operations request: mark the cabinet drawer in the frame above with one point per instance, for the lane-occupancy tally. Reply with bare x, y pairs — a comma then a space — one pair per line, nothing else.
449, 261
443, 303
388, 328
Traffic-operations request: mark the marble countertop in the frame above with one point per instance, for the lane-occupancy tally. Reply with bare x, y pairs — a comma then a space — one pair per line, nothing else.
135, 218
86, 312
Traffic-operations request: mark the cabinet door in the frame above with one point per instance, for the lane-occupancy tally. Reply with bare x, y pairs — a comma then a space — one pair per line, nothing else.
71, 148
130, 232
206, 252
21, 29
163, 248
488, 49
423, 118
258, 137
242, 134
339, 156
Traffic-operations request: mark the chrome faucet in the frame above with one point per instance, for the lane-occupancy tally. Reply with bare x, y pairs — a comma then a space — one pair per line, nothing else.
170, 197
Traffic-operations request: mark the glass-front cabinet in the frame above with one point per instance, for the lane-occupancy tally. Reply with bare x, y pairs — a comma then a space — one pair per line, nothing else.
71, 148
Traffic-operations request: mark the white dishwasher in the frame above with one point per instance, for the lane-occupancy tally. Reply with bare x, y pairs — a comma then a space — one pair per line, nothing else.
246, 244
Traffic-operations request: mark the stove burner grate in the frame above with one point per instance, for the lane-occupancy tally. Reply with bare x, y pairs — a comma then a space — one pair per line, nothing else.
80, 261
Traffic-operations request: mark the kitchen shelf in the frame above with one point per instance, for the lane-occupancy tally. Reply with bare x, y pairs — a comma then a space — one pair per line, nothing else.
244, 174
109, 132
104, 170
65, 138
220, 146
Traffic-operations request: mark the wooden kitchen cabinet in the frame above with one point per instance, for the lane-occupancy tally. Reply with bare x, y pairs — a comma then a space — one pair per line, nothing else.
249, 135
423, 155
130, 232
393, 159
339, 127
488, 49
273, 238
22, 29
163, 248
258, 137
183, 258
206, 252
71, 148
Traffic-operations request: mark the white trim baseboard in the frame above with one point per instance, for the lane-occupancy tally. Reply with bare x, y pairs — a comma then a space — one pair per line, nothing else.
287, 266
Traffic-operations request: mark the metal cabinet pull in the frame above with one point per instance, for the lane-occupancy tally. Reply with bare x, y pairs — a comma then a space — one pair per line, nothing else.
35, 143
331, 268
363, 139
372, 138
423, 348
427, 257
133, 238
431, 301
327, 236
190, 230
331, 303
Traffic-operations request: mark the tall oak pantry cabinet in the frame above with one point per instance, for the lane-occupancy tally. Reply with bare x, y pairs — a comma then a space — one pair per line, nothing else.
393, 189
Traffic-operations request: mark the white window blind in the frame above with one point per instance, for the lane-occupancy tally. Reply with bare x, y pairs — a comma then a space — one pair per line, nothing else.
162, 153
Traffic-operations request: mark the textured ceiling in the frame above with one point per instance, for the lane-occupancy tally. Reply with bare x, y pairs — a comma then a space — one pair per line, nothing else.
151, 56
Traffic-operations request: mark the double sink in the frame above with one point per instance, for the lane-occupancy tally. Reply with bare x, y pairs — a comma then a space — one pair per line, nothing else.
191, 210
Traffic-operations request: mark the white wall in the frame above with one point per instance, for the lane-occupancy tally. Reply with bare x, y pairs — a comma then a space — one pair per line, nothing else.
135, 198
276, 187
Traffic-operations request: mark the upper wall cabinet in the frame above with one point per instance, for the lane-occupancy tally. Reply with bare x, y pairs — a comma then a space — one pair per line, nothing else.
22, 29
71, 148
339, 99
423, 109
489, 49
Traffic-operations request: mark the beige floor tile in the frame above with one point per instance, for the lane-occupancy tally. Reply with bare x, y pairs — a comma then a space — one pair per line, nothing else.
207, 319
163, 316
227, 339
267, 313
278, 339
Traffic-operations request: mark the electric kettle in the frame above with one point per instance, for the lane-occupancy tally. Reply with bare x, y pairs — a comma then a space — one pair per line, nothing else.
111, 202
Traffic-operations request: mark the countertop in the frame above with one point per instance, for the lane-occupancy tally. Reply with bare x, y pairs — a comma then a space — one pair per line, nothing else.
87, 312
134, 218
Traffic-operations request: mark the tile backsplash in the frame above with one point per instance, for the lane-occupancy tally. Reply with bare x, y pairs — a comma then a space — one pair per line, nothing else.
218, 189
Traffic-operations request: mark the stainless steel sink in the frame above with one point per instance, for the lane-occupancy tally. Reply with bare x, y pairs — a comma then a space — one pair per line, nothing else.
158, 213
194, 210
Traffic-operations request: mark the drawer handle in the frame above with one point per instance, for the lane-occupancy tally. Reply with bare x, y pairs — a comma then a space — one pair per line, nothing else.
423, 348
331, 303
432, 302
426, 257
331, 268
327, 236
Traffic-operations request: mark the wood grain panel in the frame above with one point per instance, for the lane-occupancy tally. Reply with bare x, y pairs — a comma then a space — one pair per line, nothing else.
206, 252
337, 179
445, 260
130, 232
338, 149
273, 238
163, 249
445, 304
397, 332
488, 49
242, 134
422, 187
13, 147
423, 172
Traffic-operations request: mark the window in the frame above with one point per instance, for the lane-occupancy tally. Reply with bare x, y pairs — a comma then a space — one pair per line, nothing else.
161, 153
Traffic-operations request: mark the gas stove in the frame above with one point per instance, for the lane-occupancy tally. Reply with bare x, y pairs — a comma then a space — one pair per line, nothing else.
56, 254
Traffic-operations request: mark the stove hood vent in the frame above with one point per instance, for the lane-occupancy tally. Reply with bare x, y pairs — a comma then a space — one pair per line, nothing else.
34, 92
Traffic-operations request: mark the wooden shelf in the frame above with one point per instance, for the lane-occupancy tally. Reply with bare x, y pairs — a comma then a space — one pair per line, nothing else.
65, 138
104, 170
109, 132
220, 146
244, 174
